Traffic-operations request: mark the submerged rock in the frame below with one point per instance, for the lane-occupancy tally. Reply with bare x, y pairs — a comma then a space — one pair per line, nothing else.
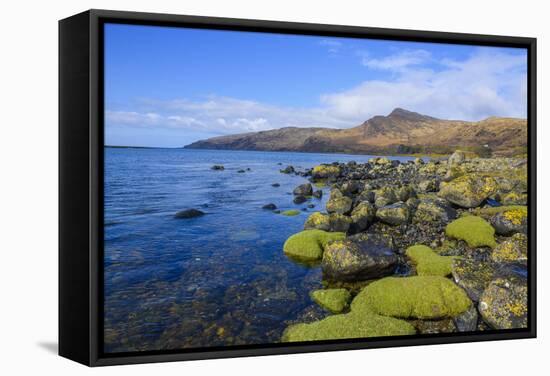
188, 213
309, 245
318, 194
290, 213
276, 185
474, 230
288, 170
333, 300
362, 258
217, 167
421, 297
299, 200
303, 190
468, 190
269, 207
428, 262
395, 214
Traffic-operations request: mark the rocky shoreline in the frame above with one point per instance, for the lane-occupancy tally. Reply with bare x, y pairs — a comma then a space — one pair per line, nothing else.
416, 247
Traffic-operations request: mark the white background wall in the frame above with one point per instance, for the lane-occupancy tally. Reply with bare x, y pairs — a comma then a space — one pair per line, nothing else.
28, 187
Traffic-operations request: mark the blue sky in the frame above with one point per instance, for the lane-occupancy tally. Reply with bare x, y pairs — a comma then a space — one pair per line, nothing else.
169, 86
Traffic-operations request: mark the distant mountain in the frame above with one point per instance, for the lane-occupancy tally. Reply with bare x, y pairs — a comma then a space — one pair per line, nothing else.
401, 132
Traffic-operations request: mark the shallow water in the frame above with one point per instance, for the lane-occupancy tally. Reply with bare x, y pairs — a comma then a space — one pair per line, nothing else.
219, 279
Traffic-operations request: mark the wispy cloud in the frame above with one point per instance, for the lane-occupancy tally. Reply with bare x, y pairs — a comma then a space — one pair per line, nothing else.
398, 61
333, 46
485, 84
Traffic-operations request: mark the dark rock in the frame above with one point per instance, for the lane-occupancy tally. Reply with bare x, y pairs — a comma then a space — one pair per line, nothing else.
467, 321
457, 158
385, 196
434, 210
503, 304
218, 167
339, 222
395, 214
303, 190
473, 276
241, 171
288, 170
434, 326
469, 190
269, 207
339, 203
359, 258
362, 216
510, 222
276, 185
350, 187
299, 199
492, 203
318, 194
428, 185
311, 206
188, 213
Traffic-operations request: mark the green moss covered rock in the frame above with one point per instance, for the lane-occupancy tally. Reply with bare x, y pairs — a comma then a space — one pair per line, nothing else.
394, 214
434, 210
510, 221
290, 213
468, 190
358, 258
325, 171
511, 250
503, 304
428, 262
489, 212
338, 203
346, 326
333, 300
474, 230
421, 297
317, 221
473, 276
385, 196
514, 198
362, 216
339, 222
308, 245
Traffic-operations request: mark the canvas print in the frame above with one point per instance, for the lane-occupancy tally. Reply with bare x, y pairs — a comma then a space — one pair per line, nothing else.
264, 188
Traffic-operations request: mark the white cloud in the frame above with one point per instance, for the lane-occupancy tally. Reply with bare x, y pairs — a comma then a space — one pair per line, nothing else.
333, 46
398, 61
486, 84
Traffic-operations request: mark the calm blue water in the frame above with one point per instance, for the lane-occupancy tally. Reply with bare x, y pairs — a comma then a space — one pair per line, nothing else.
220, 279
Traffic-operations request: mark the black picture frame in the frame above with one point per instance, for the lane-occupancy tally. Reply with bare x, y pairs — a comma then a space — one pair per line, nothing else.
81, 184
